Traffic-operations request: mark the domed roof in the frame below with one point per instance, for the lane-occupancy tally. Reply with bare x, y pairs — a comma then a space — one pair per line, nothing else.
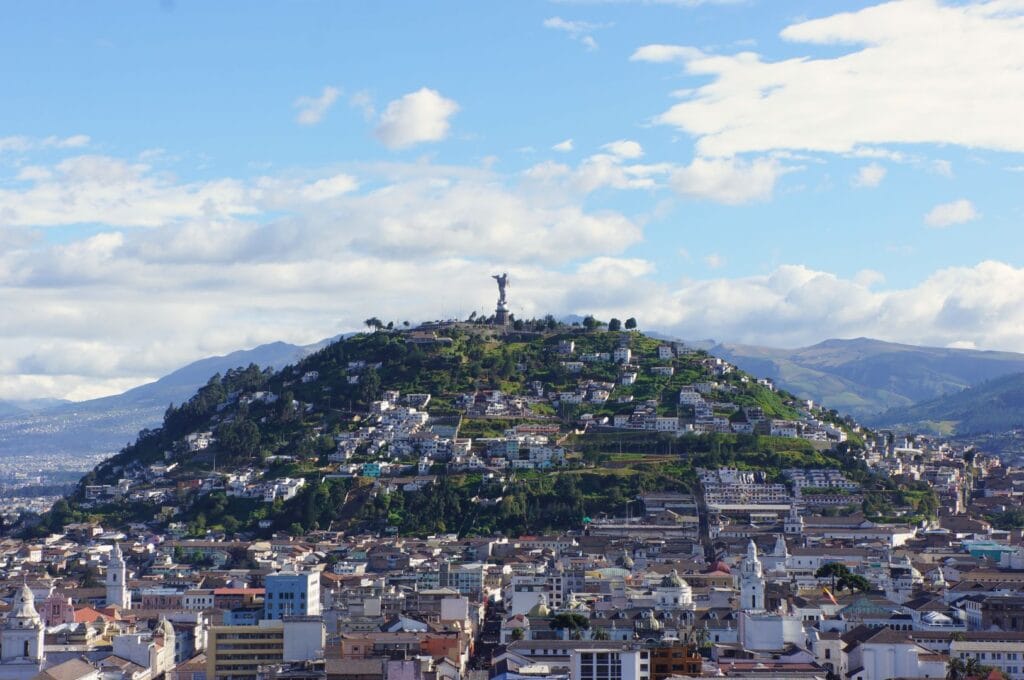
672, 580
720, 566
646, 621
539, 610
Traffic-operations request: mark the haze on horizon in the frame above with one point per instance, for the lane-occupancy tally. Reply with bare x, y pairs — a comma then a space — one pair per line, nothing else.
182, 179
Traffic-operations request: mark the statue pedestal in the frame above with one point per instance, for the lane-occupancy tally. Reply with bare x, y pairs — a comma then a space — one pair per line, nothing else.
501, 315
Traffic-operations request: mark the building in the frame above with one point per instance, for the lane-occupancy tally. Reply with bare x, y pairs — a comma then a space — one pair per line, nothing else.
117, 580
669, 660
610, 662
21, 640
292, 593
751, 581
237, 652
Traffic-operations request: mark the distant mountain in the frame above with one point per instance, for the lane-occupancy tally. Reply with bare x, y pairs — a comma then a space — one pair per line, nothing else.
14, 407
866, 377
107, 424
993, 406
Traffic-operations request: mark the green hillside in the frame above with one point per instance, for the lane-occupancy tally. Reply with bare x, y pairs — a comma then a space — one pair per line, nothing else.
268, 427
866, 377
993, 406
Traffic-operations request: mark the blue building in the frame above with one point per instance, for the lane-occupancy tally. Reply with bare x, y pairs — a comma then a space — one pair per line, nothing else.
292, 593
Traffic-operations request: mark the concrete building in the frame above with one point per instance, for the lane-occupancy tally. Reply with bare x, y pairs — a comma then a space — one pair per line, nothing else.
237, 652
292, 593
610, 662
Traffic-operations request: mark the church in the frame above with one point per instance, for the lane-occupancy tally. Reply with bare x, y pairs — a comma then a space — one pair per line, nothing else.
21, 640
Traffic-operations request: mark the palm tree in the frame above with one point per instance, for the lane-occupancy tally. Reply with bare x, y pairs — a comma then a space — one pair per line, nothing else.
955, 670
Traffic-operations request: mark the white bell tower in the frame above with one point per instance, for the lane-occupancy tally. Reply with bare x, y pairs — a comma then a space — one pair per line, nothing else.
751, 581
21, 640
117, 580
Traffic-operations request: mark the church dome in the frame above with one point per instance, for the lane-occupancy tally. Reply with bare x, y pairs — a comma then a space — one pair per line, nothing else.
720, 566
647, 622
539, 610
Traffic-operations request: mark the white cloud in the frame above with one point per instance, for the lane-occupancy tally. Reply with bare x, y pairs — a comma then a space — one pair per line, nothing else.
21, 143
330, 187
942, 167
313, 109
948, 214
731, 181
915, 71
563, 146
661, 54
110, 191
576, 29
870, 175
625, 148
420, 116
714, 261
363, 101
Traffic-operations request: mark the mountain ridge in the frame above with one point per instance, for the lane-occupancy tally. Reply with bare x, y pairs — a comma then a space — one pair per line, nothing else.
866, 377
105, 424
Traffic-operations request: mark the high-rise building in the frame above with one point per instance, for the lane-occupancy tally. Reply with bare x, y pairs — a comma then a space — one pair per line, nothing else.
237, 652
292, 593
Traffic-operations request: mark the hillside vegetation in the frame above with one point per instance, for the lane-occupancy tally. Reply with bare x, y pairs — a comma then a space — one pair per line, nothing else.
993, 406
289, 424
865, 377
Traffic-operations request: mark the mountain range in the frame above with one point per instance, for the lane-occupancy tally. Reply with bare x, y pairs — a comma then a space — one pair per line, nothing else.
47, 427
866, 377
880, 383
993, 406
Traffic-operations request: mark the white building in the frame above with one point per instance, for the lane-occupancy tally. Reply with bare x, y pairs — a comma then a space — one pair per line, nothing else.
21, 640
117, 580
751, 581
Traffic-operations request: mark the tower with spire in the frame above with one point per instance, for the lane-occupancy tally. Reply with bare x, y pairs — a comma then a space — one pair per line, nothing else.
751, 581
117, 580
794, 525
21, 640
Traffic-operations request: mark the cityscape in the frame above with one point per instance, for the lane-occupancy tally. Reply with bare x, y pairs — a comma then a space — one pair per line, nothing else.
533, 340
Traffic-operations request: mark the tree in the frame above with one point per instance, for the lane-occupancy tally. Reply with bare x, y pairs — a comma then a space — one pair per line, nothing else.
630, 323
590, 323
374, 323
956, 670
517, 634
832, 570
614, 324
572, 622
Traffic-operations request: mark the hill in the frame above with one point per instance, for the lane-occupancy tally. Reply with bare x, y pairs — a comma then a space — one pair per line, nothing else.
451, 427
865, 377
991, 407
45, 427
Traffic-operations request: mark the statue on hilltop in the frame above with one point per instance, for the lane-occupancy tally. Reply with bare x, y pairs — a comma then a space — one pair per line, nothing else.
502, 280
501, 312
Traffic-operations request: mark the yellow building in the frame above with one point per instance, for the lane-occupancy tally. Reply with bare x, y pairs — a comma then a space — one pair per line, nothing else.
237, 652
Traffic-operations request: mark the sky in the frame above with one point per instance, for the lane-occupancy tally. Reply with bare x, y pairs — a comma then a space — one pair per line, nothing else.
186, 178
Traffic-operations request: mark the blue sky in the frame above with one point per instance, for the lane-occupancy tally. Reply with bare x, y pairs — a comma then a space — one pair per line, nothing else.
184, 178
